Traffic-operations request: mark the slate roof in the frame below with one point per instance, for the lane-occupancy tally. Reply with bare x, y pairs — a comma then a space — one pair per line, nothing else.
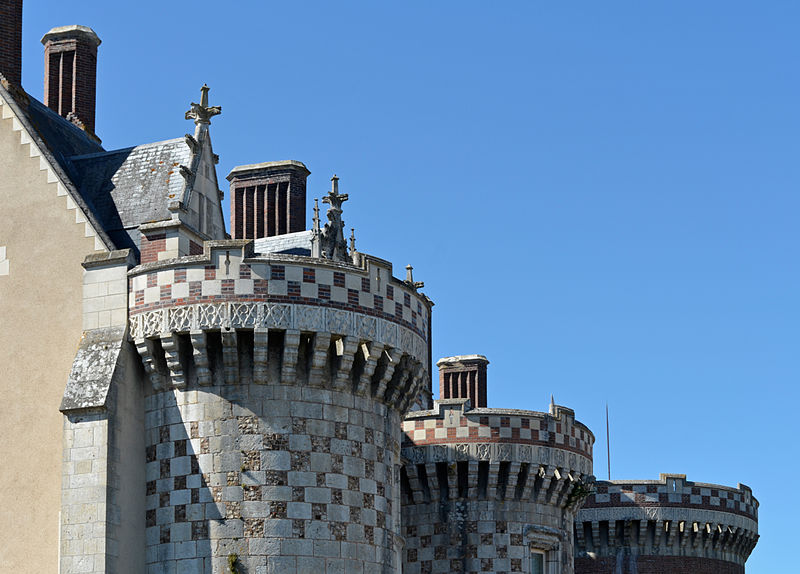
298, 243
131, 186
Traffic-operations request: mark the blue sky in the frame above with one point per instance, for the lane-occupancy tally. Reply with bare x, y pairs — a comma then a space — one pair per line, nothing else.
601, 197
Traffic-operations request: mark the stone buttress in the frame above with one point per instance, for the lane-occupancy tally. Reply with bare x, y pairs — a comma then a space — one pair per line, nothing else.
492, 490
665, 526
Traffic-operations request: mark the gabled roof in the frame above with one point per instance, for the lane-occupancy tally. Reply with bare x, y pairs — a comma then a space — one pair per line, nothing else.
131, 186
115, 190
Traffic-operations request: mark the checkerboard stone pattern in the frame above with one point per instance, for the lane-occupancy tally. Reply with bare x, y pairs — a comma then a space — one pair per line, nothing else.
484, 488
290, 479
666, 526
226, 276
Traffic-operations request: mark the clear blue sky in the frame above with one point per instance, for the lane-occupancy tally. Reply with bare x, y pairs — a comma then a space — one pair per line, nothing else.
601, 197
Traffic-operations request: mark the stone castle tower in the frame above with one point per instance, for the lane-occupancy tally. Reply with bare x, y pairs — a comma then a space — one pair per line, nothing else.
488, 489
669, 525
263, 403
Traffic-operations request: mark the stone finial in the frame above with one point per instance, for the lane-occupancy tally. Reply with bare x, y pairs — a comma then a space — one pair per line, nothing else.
202, 113
332, 243
316, 214
552, 404
352, 240
316, 233
334, 198
410, 279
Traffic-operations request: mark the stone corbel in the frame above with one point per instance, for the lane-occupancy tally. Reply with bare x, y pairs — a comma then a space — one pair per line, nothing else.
193, 144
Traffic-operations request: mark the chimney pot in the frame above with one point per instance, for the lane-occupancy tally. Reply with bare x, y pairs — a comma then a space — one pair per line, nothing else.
463, 377
70, 73
268, 199
11, 40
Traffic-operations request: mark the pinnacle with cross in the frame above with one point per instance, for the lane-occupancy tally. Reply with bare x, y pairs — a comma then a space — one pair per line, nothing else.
334, 198
202, 113
332, 244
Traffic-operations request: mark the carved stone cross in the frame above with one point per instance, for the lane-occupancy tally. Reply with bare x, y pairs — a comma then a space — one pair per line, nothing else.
202, 113
334, 198
332, 241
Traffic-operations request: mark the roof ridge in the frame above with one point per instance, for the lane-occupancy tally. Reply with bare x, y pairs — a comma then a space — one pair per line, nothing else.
65, 122
125, 149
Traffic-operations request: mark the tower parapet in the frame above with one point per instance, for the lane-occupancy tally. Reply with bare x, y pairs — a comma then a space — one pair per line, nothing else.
669, 525
489, 489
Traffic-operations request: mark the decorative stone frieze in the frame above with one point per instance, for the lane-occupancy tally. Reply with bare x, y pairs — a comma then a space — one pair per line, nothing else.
265, 315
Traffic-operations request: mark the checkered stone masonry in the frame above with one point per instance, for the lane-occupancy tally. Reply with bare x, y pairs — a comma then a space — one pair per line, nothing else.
666, 526
474, 481
159, 286
290, 479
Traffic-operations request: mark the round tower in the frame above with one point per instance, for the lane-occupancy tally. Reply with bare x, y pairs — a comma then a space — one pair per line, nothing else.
276, 383
666, 526
487, 489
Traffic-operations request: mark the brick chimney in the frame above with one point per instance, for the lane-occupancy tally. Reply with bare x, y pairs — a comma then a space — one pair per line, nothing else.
11, 40
268, 199
463, 377
70, 73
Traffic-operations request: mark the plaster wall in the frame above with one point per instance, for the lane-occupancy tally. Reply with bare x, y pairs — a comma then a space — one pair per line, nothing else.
40, 327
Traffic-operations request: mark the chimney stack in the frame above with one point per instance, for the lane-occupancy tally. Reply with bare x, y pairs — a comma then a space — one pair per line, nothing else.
70, 73
11, 40
268, 199
463, 377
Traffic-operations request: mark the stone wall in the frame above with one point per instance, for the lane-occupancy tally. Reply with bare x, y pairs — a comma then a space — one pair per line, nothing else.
282, 477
